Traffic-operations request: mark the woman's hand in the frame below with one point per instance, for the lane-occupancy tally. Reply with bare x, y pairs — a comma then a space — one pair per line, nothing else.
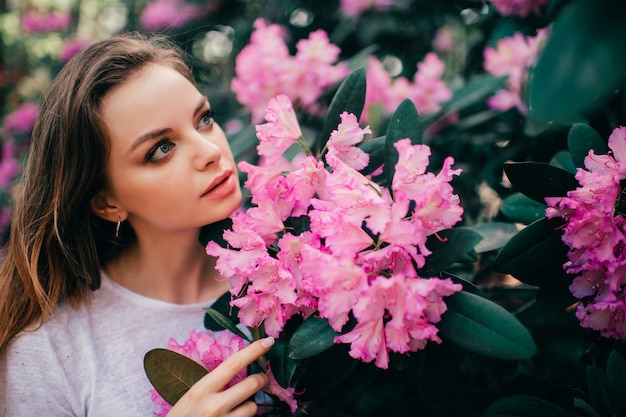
207, 398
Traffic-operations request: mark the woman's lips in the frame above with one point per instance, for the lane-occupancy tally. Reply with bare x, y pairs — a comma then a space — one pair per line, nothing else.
222, 186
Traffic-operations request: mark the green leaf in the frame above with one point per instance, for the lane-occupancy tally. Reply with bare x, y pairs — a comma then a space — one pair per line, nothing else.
375, 148
214, 232
539, 180
484, 327
581, 139
524, 406
222, 316
350, 98
403, 124
449, 246
283, 367
171, 373
616, 380
583, 405
312, 337
582, 62
563, 160
532, 251
475, 91
521, 209
494, 235
596, 385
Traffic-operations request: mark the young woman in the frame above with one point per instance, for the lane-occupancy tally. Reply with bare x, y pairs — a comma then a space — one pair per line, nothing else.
104, 263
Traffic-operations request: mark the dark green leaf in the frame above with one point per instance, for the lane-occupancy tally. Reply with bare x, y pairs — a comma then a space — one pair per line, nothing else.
588, 409
350, 98
521, 209
581, 139
403, 124
214, 232
283, 367
375, 148
538, 180
494, 235
616, 380
215, 320
582, 63
312, 337
449, 246
596, 384
484, 327
533, 250
171, 373
563, 160
524, 406
475, 91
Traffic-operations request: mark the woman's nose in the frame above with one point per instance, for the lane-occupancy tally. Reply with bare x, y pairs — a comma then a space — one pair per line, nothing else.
206, 151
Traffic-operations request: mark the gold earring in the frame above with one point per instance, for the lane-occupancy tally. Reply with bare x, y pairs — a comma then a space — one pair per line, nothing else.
117, 229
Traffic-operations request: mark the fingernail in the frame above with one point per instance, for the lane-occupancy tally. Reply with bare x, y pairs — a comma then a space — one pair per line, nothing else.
267, 342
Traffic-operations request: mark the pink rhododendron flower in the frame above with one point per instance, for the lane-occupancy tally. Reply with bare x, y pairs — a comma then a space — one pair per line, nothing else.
324, 212
520, 8
21, 120
343, 140
72, 47
427, 90
265, 69
595, 231
162, 14
354, 8
512, 57
35, 21
281, 130
209, 349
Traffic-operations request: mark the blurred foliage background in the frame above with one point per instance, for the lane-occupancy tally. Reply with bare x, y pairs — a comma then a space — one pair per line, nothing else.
567, 68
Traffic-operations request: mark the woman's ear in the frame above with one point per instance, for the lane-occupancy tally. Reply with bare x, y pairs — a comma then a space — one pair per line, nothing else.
104, 207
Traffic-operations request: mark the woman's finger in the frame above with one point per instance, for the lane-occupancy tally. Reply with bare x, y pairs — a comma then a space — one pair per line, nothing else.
227, 370
243, 390
247, 409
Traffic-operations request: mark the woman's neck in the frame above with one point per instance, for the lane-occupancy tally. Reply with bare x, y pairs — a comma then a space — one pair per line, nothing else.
173, 270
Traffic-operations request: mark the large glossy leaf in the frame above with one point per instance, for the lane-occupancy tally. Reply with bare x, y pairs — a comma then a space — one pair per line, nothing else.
450, 246
582, 63
482, 326
494, 235
403, 124
581, 139
598, 393
350, 98
534, 250
312, 337
524, 406
171, 373
616, 380
521, 209
538, 180
222, 316
283, 367
476, 90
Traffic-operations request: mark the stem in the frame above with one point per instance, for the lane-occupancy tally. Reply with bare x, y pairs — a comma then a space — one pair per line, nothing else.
305, 147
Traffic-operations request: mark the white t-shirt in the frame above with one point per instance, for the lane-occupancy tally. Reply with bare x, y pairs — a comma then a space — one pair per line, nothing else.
89, 361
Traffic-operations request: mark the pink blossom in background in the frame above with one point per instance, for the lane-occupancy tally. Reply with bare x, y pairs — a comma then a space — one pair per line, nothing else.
595, 232
34, 21
512, 57
72, 47
265, 69
444, 40
20, 122
354, 8
9, 165
163, 14
520, 8
427, 90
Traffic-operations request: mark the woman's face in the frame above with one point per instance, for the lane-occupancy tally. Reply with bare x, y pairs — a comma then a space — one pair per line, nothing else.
170, 167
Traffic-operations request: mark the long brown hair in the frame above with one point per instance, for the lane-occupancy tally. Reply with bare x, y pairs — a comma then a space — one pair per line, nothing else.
57, 245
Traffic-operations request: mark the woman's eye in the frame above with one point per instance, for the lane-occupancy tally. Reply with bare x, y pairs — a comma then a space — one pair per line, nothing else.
206, 119
160, 151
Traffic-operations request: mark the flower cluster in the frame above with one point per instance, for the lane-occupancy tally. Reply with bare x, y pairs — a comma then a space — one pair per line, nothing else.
427, 91
354, 8
264, 69
512, 57
595, 231
211, 349
519, 8
162, 14
355, 261
35, 21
